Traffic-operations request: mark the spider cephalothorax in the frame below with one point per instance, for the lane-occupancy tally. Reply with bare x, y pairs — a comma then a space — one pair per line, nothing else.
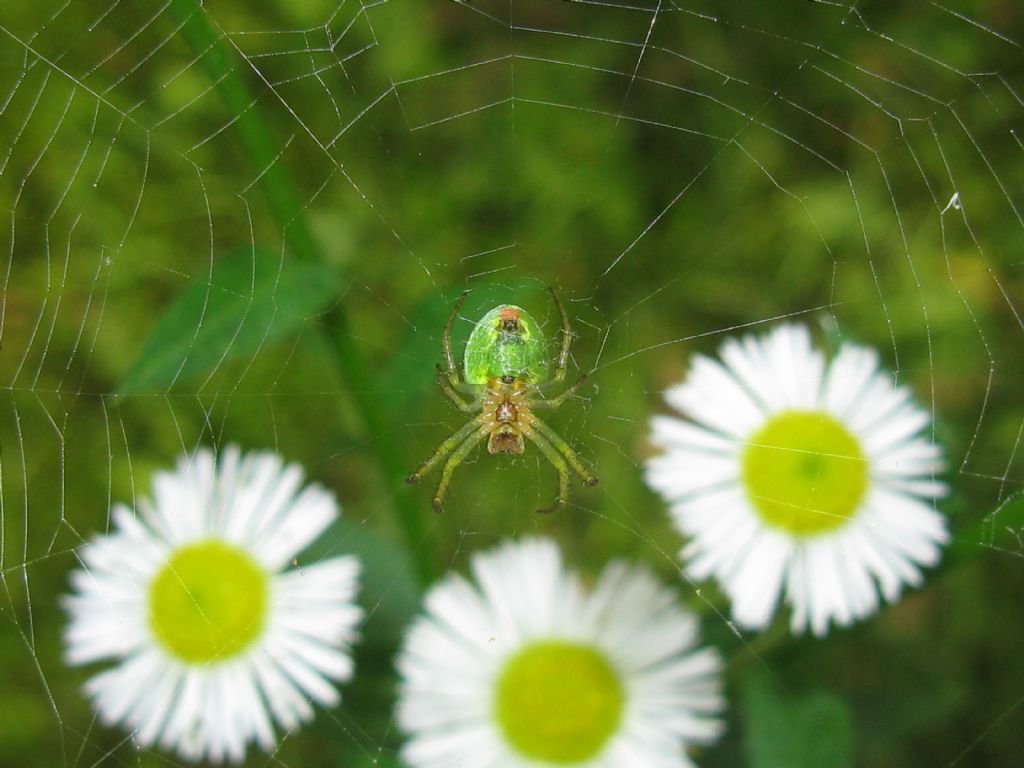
506, 414
505, 370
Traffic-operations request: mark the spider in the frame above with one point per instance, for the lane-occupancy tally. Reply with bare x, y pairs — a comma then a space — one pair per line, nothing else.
505, 372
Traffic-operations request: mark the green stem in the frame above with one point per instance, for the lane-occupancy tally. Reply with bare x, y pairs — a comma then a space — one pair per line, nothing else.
221, 66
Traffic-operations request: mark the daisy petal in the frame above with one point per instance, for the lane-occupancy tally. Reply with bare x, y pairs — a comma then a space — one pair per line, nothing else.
456, 663
799, 481
237, 520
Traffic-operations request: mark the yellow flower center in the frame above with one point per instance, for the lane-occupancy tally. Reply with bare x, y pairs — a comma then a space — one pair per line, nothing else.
208, 602
804, 472
558, 701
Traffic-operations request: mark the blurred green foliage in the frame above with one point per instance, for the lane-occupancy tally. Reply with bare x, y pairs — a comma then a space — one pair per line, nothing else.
790, 731
753, 161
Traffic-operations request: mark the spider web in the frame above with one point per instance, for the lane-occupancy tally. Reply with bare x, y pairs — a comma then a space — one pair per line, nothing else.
682, 171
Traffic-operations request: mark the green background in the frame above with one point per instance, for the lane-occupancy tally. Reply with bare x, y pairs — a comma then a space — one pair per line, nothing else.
247, 223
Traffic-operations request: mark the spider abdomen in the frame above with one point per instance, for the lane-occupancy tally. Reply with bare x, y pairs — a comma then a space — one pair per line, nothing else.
506, 342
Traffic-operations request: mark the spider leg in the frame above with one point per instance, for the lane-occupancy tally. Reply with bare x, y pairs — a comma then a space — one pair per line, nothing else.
449, 358
558, 462
446, 386
563, 357
556, 401
443, 450
453, 461
565, 450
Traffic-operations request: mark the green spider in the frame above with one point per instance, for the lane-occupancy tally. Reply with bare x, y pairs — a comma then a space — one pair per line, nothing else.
506, 373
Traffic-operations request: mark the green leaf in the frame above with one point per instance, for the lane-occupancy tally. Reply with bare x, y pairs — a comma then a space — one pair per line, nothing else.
251, 298
787, 731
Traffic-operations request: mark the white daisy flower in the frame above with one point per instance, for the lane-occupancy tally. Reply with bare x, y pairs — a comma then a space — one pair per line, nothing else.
212, 637
800, 478
526, 668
